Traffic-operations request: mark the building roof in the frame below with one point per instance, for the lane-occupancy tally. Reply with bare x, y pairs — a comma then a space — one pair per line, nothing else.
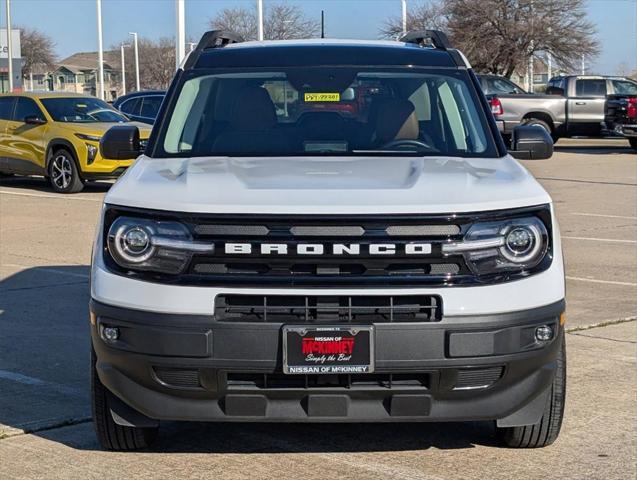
83, 61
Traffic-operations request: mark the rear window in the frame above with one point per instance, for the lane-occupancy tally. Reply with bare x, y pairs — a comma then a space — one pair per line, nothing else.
327, 111
590, 88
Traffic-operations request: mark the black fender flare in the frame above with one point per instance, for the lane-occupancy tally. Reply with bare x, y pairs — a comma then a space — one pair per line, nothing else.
61, 142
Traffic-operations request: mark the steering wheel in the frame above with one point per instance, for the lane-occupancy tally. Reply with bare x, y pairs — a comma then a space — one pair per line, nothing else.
405, 143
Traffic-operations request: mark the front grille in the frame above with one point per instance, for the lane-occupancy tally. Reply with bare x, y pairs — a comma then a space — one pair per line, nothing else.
332, 251
178, 377
354, 264
473, 378
243, 381
308, 309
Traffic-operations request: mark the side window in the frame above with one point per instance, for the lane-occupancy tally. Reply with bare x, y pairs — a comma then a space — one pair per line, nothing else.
624, 87
131, 107
6, 105
498, 85
590, 88
150, 106
26, 107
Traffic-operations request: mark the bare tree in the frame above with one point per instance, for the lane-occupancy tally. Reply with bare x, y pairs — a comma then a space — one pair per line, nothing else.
240, 20
282, 21
420, 16
37, 49
156, 63
499, 36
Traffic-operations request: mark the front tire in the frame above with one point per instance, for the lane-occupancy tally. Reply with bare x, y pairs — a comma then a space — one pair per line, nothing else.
111, 435
633, 143
63, 172
546, 431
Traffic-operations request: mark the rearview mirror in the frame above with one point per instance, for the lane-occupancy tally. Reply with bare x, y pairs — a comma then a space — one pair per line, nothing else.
34, 120
120, 142
530, 142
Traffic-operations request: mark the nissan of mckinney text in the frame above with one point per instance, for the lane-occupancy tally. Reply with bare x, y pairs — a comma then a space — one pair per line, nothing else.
327, 231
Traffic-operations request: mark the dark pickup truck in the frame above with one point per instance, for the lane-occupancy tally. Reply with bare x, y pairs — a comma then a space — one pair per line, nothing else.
621, 116
573, 106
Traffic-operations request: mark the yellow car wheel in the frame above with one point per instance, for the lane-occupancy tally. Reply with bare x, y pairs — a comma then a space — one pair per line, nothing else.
63, 173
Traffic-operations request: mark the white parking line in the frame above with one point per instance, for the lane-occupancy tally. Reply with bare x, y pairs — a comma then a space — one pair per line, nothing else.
592, 239
26, 380
601, 215
51, 270
44, 195
594, 280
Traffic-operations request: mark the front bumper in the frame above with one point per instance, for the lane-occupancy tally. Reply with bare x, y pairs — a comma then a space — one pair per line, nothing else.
190, 367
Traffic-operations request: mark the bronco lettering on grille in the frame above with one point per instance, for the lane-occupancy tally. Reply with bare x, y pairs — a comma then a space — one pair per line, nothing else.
322, 249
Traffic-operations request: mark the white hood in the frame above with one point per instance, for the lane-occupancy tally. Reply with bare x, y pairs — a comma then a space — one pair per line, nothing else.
327, 185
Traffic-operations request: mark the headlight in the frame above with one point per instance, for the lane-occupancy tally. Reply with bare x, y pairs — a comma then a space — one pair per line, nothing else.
504, 246
92, 138
159, 246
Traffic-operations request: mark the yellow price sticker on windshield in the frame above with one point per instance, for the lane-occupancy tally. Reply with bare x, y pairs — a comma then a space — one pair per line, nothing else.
322, 97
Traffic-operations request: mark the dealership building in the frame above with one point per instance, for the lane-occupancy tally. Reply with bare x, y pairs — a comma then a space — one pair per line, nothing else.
4, 60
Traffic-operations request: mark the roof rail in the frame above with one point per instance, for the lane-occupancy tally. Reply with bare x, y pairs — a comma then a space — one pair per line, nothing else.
211, 39
436, 38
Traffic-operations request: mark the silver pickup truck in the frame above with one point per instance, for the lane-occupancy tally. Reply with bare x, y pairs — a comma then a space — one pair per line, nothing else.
573, 106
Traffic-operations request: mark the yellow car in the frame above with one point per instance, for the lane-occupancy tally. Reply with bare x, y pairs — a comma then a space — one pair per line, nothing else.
57, 135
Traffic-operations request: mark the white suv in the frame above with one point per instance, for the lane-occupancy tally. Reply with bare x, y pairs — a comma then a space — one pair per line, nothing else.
327, 231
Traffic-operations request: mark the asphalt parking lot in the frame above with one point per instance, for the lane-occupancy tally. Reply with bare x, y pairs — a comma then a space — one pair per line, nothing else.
45, 432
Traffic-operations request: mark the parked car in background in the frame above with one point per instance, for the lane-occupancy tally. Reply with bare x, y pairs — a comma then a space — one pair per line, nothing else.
573, 106
499, 85
56, 135
620, 116
141, 106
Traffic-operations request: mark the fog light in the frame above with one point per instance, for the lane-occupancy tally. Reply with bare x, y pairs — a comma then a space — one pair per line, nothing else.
544, 333
111, 334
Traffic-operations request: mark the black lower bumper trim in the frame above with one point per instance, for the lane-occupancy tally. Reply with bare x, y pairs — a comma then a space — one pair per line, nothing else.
191, 367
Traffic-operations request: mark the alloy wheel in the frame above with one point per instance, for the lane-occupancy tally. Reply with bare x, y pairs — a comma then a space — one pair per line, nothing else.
62, 171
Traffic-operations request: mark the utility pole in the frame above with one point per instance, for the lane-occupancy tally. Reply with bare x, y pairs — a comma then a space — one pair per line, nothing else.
549, 65
404, 5
583, 65
134, 34
531, 69
9, 47
100, 49
260, 19
122, 47
180, 45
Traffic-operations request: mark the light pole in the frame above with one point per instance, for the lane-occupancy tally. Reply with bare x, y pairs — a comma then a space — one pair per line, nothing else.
180, 44
122, 47
404, 5
9, 47
260, 19
134, 34
100, 49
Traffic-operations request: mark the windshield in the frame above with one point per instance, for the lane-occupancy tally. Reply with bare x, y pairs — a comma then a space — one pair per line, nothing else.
328, 111
81, 110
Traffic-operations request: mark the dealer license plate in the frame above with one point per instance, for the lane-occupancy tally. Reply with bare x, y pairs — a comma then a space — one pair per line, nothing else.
328, 349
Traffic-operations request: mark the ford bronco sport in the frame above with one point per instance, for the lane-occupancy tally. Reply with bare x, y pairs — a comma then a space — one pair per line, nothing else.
269, 260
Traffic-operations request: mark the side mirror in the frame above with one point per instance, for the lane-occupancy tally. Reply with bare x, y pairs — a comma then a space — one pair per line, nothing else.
120, 142
34, 120
555, 91
530, 142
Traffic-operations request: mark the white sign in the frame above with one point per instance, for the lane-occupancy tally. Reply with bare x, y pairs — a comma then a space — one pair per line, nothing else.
15, 43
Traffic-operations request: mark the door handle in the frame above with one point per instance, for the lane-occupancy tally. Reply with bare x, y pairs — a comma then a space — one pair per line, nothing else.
580, 103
